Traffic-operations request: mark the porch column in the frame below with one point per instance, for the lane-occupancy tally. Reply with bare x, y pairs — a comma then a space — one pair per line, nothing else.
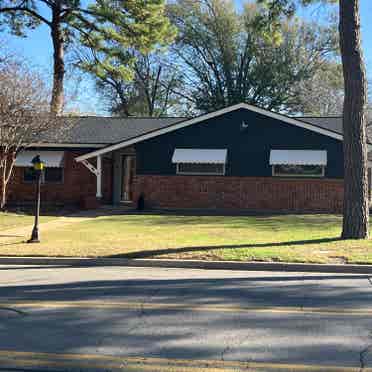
99, 177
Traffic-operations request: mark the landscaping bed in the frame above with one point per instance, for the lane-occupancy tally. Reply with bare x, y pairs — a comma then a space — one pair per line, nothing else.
289, 238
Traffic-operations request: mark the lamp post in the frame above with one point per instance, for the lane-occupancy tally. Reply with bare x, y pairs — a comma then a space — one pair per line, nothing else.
38, 168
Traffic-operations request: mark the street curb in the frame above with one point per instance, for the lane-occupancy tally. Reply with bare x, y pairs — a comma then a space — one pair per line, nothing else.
188, 264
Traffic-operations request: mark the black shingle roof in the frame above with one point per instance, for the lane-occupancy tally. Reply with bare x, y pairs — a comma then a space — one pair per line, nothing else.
109, 130
106, 130
333, 123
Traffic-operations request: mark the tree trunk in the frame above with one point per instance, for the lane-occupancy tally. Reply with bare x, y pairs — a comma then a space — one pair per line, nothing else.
355, 208
56, 104
3, 190
7, 166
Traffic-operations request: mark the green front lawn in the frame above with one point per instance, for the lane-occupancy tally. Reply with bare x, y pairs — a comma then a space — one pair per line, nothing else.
294, 238
10, 220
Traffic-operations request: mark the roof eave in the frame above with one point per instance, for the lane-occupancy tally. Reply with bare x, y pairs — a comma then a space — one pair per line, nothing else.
67, 144
205, 117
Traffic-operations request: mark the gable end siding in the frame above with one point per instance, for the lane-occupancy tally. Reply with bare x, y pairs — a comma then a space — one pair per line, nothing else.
248, 149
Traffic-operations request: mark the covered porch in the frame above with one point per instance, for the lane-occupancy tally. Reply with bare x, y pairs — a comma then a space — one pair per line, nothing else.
123, 173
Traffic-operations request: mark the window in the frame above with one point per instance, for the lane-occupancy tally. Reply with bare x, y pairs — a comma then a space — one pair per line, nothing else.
298, 163
200, 161
29, 175
201, 168
53, 175
288, 170
49, 175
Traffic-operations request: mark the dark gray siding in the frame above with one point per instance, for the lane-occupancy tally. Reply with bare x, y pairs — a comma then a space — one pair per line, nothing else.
248, 150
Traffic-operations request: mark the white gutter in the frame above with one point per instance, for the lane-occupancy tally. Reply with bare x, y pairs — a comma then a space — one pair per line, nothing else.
67, 145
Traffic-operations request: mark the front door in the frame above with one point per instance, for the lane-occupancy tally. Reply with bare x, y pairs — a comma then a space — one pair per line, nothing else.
127, 171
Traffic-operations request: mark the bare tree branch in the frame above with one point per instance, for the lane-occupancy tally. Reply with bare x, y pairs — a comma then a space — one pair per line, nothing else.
24, 115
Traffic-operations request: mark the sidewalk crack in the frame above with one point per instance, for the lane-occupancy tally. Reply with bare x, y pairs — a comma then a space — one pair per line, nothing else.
233, 341
369, 279
19, 312
362, 356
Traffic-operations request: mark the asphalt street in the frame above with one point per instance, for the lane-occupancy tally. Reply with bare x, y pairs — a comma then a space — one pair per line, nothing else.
151, 319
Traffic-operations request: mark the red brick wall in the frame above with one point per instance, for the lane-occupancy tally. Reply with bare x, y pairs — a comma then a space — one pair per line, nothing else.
265, 193
79, 183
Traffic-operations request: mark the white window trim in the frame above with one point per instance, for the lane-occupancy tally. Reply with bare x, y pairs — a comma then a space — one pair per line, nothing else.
322, 175
200, 173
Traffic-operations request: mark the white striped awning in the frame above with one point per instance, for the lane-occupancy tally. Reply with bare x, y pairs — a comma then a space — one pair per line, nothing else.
298, 157
211, 156
52, 159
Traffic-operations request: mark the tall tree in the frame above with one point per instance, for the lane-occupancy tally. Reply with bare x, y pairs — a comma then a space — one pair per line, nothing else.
356, 204
229, 57
323, 93
133, 75
131, 22
149, 93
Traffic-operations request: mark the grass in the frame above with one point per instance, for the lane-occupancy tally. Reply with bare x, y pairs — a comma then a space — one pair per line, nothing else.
292, 238
10, 220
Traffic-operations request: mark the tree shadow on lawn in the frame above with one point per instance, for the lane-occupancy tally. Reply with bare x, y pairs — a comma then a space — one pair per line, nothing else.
166, 251
261, 223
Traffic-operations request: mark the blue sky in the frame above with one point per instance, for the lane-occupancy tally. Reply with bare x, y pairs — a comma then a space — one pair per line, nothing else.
38, 49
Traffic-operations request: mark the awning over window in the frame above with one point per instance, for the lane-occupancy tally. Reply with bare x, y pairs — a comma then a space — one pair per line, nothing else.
215, 156
298, 157
53, 159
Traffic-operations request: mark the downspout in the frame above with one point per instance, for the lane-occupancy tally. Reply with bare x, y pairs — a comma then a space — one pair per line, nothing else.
99, 177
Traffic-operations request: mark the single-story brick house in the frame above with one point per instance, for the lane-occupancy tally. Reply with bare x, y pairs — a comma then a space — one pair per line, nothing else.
240, 157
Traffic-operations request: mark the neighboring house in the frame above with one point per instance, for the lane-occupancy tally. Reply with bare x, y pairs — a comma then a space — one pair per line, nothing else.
240, 157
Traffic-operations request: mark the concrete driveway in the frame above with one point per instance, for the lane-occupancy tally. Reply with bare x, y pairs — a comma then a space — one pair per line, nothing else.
151, 319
